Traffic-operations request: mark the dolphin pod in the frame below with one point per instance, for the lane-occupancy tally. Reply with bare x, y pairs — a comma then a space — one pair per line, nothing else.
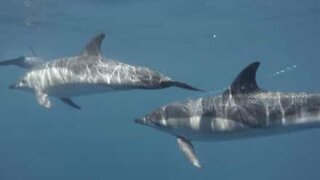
87, 73
244, 110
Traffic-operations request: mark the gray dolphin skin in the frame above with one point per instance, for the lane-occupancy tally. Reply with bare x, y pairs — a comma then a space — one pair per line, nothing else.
242, 111
89, 73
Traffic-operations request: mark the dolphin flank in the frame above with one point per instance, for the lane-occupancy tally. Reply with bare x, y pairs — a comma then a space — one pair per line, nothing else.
88, 73
242, 111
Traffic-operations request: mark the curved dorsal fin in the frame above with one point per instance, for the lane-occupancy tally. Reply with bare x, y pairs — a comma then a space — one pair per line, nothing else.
93, 47
245, 82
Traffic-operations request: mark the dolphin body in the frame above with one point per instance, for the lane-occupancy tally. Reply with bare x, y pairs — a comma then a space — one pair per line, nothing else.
242, 111
89, 73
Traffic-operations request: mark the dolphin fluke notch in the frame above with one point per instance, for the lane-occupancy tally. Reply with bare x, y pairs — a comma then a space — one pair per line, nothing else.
245, 82
180, 85
93, 47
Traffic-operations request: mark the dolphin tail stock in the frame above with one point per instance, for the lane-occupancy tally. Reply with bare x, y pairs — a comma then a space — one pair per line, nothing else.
15, 61
180, 85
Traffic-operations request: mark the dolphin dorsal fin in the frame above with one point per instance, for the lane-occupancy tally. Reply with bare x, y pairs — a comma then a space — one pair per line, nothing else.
245, 82
93, 47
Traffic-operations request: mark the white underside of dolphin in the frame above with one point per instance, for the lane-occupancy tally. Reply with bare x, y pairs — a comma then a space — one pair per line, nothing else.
89, 73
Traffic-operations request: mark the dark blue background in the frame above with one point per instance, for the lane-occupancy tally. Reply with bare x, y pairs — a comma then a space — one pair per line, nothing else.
176, 38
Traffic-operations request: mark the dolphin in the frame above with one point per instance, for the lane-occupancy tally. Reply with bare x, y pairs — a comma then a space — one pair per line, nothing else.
244, 110
23, 62
89, 73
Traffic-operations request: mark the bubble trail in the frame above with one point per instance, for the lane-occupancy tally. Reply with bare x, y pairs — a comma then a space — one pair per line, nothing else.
285, 70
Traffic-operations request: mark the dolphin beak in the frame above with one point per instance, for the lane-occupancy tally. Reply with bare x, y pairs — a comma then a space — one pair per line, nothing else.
141, 121
12, 86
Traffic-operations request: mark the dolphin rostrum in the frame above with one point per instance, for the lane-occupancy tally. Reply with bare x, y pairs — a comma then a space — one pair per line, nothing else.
89, 73
242, 111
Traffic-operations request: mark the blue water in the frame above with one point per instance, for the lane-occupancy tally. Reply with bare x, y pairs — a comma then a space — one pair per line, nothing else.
202, 42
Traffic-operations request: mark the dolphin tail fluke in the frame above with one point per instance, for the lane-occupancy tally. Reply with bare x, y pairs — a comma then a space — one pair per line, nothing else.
15, 61
181, 85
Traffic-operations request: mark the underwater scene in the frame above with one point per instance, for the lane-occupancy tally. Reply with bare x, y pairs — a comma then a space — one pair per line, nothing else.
146, 89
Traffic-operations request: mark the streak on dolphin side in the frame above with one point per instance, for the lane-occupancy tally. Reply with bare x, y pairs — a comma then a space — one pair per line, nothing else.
89, 73
242, 111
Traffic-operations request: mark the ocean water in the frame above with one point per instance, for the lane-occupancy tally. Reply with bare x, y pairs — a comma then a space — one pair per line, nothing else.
202, 42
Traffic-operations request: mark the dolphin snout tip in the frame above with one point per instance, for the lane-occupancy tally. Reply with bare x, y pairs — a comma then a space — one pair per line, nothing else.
12, 86
139, 121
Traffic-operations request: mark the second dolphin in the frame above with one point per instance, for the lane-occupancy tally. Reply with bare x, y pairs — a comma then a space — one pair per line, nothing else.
88, 73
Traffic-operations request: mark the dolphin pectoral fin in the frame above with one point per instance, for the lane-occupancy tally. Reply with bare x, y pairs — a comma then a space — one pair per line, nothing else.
43, 99
69, 102
187, 148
